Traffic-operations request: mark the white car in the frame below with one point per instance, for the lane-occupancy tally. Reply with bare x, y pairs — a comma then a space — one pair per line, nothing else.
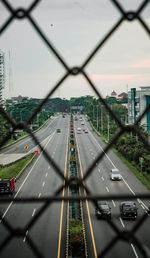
79, 131
115, 174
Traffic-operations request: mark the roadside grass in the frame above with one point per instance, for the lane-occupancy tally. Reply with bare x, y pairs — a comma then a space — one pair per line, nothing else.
14, 169
142, 176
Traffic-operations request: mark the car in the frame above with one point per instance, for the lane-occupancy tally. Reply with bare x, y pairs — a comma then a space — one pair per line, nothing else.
58, 130
103, 210
79, 131
86, 130
128, 210
115, 174
82, 123
7, 186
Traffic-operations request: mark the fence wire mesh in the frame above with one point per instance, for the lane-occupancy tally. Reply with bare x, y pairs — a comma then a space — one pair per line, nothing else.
128, 236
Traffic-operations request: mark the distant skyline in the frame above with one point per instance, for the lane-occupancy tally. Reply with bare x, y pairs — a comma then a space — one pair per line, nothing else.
75, 27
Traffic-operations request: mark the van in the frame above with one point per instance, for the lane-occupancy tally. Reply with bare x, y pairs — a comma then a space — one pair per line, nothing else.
115, 174
79, 130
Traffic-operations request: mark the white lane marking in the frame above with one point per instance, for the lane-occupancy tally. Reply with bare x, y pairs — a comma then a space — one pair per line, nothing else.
48, 167
122, 223
102, 178
107, 189
39, 195
46, 174
142, 207
26, 178
142, 203
93, 157
134, 251
115, 167
99, 170
114, 203
25, 236
43, 184
34, 212
128, 186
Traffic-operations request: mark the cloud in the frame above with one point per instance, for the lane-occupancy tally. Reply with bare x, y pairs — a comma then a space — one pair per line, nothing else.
104, 77
142, 64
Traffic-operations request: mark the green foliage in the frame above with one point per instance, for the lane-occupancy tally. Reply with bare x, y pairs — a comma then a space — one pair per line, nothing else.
4, 127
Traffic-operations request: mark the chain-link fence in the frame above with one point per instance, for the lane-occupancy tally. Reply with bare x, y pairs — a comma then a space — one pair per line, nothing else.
130, 16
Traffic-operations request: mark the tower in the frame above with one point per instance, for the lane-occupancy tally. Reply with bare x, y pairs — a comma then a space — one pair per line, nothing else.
2, 75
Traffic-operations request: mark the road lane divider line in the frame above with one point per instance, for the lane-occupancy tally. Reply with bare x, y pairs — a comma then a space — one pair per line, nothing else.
107, 189
113, 203
87, 205
33, 212
39, 195
46, 174
43, 184
102, 178
25, 236
62, 203
26, 178
134, 251
122, 223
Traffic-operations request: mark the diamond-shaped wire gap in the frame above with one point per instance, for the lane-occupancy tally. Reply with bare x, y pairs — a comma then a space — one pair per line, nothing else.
97, 93
47, 203
102, 43
45, 153
47, 42
101, 155
51, 92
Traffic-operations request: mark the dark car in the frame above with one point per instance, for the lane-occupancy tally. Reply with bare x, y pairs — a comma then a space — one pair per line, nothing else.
128, 210
58, 130
103, 210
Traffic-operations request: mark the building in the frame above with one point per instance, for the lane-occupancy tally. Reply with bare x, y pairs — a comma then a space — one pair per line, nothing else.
2, 76
114, 94
138, 100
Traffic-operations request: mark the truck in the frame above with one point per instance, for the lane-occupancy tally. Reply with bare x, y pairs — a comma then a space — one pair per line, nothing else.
7, 186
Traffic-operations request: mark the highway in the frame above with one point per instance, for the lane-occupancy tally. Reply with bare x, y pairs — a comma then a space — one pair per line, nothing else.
99, 232
39, 180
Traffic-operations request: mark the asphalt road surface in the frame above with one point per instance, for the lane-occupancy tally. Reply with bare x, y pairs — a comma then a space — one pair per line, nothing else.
39, 180
99, 232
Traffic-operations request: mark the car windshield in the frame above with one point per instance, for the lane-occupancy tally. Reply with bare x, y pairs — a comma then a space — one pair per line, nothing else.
115, 172
129, 207
104, 207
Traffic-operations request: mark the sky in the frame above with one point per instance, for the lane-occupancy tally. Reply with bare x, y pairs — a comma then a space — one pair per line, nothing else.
74, 27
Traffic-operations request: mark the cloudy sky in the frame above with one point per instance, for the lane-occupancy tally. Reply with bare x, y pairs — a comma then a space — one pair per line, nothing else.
74, 27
